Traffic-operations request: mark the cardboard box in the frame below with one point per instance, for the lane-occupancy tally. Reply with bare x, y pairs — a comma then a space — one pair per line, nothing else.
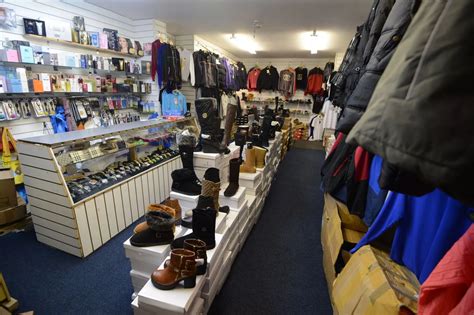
13, 214
372, 283
350, 221
336, 241
7, 191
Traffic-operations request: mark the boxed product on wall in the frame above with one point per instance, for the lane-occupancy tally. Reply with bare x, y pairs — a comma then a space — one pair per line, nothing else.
372, 283
8, 192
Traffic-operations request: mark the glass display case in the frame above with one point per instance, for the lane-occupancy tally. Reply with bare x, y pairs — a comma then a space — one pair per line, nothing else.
86, 186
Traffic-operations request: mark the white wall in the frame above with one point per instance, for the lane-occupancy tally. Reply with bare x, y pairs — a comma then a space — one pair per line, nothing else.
96, 19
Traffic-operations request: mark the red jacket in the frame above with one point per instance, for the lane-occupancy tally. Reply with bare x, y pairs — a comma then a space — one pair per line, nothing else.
450, 287
252, 79
154, 58
315, 82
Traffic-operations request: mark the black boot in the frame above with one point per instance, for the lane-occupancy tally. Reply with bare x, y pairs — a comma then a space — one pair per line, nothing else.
204, 229
159, 231
206, 109
266, 126
204, 202
234, 170
185, 182
186, 154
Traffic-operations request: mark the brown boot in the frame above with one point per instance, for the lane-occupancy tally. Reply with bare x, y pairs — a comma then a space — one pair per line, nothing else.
155, 207
229, 121
249, 164
181, 266
199, 248
174, 203
211, 185
260, 154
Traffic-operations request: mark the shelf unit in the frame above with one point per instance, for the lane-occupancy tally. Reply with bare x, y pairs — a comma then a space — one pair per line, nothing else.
78, 45
80, 228
68, 94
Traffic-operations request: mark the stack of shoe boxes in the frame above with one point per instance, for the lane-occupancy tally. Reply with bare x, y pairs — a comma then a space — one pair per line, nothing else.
202, 161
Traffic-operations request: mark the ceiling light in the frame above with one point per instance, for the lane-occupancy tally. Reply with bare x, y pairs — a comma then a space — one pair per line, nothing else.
313, 42
244, 42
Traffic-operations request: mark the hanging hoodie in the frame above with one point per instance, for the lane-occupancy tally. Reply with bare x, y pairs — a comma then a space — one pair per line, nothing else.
287, 83
268, 79
301, 78
240, 76
315, 82
252, 79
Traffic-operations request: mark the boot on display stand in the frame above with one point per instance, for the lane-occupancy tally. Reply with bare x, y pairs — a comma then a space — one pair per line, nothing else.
159, 231
157, 207
174, 204
186, 152
206, 109
185, 182
199, 248
204, 202
204, 229
181, 266
260, 154
211, 186
234, 170
240, 139
229, 122
265, 134
249, 163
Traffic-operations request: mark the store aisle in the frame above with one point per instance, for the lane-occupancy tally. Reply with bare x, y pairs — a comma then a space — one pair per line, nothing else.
279, 270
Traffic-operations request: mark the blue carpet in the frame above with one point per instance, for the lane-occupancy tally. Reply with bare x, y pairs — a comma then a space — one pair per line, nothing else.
279, 270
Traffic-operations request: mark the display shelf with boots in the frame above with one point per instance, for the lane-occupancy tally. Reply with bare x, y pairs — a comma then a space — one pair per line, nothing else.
185, 182
181, 267
204, 228
234, 170
249, 164
211, 186
206, 109
159, 231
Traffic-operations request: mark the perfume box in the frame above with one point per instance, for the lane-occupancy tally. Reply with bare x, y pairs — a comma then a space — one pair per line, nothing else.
26, 54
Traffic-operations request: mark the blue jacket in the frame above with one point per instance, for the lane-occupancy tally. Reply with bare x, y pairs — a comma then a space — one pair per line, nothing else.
173, 104
426, 228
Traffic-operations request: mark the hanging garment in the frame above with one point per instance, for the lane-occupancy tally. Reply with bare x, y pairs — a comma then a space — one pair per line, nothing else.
426, 228
172, 68
221, 77
252, 79
173, 104
330, 113
450, 287
375, 196
240, 76
186, 57
420, 117
268, 79
286, 84
301, 78
315, 128
392, 32
315, 82
328, 69
155, 47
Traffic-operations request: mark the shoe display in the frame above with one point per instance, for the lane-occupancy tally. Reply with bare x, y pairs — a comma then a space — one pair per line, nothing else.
211, 186
249, 163
199, 248
229, 122
234, 170
181, 267
206, 109
155, 207
159, 231
204, 228
260, 154
204, 202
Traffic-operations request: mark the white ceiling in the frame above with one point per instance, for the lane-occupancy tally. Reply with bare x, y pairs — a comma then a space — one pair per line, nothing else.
283, 21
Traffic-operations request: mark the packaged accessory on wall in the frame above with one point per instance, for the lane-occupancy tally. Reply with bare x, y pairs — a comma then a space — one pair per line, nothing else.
7, 18
112, 37
34, 27
10, 110
59, 30
94, 38
138, 48
79, 24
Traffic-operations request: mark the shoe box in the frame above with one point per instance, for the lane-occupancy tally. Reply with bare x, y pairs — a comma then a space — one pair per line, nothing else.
234, 202
186, 202
180, 300
203, 161
250, 180
211, 289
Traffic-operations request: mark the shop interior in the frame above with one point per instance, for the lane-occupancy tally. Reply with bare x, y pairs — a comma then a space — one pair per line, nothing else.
236, 157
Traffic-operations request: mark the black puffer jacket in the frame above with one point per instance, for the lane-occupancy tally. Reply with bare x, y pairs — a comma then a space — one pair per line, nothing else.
369, 35
392, 32
421, 115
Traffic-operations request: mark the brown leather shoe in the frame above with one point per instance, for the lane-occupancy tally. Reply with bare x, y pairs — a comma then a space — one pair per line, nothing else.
199, 248
174, 203
155, 207
182, 266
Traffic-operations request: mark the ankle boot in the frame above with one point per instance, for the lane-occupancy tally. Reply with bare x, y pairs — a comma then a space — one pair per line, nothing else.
211, 185
174, 203
249, 163
199, 248
204, 202
204, 229
206, 109
159, 231
185, 182
260, 154
181, 266
229, 122
234, 170
155, 207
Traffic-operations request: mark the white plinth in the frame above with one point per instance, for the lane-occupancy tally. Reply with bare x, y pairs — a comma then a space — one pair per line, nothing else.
234, 202
138, 280
185, 201
250, 180
220, 222
255, 191
215, 286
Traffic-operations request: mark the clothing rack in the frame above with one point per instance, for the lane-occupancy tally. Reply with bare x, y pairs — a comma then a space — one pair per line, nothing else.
215, 51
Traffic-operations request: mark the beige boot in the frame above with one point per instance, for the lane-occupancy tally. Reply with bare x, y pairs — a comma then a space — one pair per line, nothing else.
249, 165
260, 154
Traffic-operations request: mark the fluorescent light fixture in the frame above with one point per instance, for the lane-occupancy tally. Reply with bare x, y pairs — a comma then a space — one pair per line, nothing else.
244, 42
314, 41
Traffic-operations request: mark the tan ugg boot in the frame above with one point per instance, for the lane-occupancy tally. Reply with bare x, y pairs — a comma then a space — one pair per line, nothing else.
155, 207
260, 154
249, 164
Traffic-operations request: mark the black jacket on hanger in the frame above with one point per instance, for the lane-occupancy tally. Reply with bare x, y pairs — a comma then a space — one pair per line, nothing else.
301, 78
268, 79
